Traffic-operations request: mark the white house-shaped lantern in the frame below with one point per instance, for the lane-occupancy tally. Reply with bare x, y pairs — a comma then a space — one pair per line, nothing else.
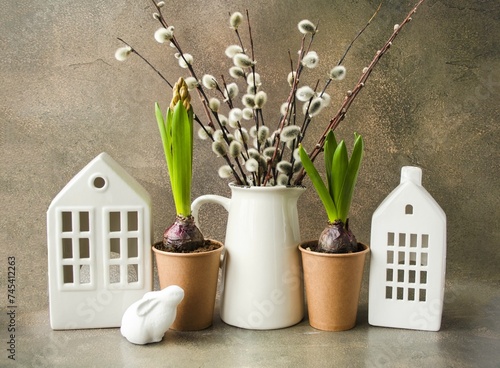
408, 258
99, 247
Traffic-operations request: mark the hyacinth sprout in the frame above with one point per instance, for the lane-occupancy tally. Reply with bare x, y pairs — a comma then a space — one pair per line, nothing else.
176, 131
336, 195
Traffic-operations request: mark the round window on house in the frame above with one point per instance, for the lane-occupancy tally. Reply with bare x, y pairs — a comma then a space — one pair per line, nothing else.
98, 182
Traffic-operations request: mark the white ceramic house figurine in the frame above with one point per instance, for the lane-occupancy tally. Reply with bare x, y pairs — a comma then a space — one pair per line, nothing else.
408, 258
148, 319
99, 247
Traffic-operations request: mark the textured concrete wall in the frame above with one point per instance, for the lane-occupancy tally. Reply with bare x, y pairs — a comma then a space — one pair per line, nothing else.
432, 101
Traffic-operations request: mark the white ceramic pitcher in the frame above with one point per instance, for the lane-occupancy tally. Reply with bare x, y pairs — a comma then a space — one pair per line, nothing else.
262, 281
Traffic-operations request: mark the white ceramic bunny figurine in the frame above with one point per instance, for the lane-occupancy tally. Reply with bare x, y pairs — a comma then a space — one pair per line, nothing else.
149, 318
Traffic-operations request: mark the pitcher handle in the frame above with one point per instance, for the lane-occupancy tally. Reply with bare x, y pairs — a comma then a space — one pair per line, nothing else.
208, 198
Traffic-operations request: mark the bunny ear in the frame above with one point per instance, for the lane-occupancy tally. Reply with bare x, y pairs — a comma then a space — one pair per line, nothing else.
145, 306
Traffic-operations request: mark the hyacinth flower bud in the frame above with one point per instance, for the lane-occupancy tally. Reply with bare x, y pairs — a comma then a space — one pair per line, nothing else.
306, 26
260, 99
219, 148
185, 60
235, 20
180, 93
243, 61
214, 104
310, 60
225, 171
337, 73
236, 72
163, 34
304, 93
233, 50
289, 133
209, 81
123, 53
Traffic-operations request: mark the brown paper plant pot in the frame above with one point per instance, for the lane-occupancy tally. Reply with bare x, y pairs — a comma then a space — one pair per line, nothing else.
196, 274
333, 284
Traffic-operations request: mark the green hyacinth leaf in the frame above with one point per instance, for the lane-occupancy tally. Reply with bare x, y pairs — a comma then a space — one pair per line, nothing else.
340, 163
351, 178
329, 147
319, 185
182, 159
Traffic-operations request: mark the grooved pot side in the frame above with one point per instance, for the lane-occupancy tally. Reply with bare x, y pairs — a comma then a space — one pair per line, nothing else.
333, 284
196, 274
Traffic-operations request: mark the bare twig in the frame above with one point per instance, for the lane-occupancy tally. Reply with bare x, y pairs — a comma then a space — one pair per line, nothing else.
351, 95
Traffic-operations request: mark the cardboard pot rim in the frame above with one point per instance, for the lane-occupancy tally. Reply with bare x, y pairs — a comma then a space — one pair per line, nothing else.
331, 255
197, 254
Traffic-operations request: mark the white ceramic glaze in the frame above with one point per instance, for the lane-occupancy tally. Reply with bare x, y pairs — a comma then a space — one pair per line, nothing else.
148, 319
99, 247
262, 283
408, 257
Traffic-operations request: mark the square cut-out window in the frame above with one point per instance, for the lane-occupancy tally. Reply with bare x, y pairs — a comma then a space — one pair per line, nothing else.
423, 259
401, 257
423, 277
401, 275
132, 221
412, 276
400, 293
402, 239
413, 258
389, 275
114, 274
85, 274
84, 248
388, 292
133, 247
84, 221
422, 295
68, 274
413, 240
114, 221
132, 273
411, 294
67, 222
67, 248
114, 248
425, 241
390, 256
390, 239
